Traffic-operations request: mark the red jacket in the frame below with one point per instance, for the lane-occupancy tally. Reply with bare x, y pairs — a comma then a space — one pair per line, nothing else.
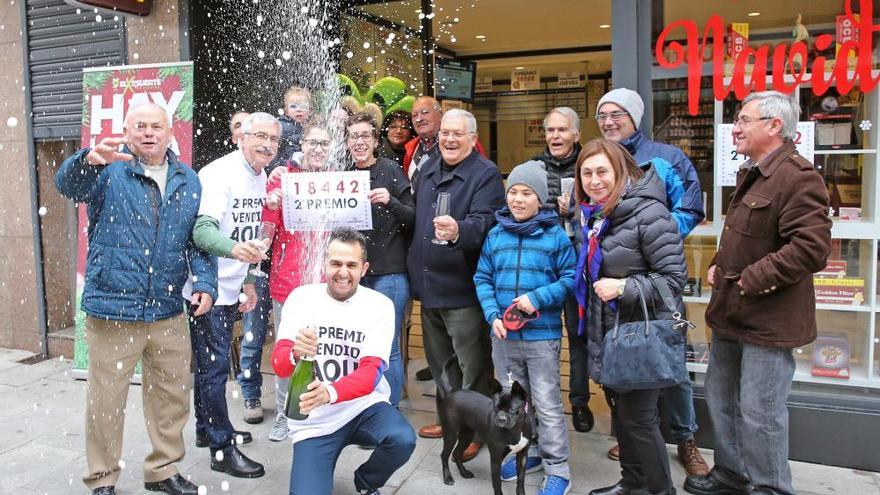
411, 146
289, 263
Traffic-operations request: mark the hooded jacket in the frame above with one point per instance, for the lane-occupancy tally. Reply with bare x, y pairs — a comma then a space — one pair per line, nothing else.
684, 197
140, 243
642, 238
539, 264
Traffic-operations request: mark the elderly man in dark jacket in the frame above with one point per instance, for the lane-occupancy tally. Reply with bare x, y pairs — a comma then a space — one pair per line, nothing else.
776, 235
142, 206
441, 275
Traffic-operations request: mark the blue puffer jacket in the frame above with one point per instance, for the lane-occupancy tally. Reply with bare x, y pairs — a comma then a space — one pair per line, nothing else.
684, 197
540, 265
140, 245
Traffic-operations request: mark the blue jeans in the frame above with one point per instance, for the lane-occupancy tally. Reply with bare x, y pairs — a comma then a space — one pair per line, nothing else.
535, 365
255, 324
746, 390
211, 336
395, 286
314, 459
677, 404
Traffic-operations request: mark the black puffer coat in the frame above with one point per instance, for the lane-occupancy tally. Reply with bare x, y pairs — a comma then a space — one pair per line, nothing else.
642, 238
556, 171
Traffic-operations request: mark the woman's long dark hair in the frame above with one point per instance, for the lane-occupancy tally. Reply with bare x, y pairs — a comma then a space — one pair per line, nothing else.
623, 164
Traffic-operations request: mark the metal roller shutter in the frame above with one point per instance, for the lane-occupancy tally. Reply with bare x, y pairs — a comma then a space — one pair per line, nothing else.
62, 40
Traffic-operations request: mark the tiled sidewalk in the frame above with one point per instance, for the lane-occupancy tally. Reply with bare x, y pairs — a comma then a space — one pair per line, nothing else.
41, 426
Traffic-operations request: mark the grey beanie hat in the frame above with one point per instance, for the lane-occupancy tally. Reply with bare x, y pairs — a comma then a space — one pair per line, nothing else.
626, 99
533, 174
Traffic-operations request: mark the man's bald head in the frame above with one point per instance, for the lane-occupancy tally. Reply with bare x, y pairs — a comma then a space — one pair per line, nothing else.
147, 132
426, 115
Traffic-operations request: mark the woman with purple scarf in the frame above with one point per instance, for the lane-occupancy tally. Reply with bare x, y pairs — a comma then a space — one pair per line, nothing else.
627, 235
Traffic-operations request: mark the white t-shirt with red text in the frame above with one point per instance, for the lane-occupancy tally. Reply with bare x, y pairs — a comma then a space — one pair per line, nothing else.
361, 326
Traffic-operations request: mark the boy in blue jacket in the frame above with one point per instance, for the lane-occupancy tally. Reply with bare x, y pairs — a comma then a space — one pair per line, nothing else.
527, 261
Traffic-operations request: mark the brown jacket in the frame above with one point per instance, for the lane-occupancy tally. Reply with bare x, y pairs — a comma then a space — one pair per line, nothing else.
776, 235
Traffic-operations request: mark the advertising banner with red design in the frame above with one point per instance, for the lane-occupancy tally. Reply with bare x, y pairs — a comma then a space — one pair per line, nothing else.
108, 93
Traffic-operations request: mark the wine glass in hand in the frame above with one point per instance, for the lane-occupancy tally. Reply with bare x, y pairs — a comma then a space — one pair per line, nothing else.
441, 209
265, 234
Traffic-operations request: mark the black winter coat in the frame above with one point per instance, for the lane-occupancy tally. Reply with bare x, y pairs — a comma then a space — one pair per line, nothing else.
642, 238
556, 171
442, 277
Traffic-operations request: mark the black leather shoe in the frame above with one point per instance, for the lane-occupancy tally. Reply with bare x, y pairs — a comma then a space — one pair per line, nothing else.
104, 490
582, 419
424, 375
234, 463
202, 440
619, 489
175, 485
710, 485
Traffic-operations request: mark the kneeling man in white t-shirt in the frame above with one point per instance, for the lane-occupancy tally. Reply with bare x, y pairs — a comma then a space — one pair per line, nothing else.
348, 329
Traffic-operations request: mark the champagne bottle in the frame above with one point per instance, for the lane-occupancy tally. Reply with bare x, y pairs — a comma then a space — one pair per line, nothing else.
303, 375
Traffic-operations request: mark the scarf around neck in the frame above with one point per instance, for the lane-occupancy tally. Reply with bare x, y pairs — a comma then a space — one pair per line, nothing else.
545, 218
590, 258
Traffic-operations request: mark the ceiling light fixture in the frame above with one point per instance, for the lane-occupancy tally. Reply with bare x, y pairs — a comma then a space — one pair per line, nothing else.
519, 67
480, 36
754, 14
604, 26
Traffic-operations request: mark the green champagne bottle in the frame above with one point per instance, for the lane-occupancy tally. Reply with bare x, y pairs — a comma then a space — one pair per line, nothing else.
303, 375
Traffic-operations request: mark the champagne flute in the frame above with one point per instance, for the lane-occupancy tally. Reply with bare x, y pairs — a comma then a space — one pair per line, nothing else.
262, 241
441, 209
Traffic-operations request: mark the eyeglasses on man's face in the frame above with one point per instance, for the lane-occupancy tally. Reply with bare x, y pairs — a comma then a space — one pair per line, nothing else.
745, 120
364, 136
615, 116
444, 133
262, 136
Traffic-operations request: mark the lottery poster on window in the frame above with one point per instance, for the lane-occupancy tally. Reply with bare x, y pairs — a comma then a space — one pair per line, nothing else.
325, 200
728, 160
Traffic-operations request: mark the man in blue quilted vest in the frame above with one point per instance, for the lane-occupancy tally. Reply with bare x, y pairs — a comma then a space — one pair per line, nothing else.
142, 206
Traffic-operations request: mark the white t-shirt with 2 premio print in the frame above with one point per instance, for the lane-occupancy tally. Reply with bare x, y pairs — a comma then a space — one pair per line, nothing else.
363, 325
233, 195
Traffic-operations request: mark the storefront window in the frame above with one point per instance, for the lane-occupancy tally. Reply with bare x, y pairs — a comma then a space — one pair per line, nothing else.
841, 140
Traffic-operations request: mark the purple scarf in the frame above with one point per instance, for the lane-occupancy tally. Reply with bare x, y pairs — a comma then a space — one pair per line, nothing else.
590, 258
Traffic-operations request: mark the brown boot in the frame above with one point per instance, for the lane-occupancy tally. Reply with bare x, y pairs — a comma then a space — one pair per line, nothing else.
470, 452
690, 457
614, 453
431, 431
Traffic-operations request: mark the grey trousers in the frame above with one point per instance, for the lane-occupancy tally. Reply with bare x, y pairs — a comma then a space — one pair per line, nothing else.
746, 390
535, 365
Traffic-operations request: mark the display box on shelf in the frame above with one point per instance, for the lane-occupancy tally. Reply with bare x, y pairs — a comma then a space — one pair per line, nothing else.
831, 355
848, 291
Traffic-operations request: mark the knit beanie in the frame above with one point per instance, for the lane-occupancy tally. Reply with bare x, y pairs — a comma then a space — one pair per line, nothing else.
626, 99
532, 174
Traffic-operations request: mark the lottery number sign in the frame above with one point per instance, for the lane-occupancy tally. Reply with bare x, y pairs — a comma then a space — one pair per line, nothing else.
324, 200
729, 160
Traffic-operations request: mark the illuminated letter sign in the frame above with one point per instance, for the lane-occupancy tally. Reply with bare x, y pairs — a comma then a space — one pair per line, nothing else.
691, 53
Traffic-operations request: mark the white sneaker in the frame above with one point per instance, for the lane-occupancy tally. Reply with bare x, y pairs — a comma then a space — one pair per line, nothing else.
279, 429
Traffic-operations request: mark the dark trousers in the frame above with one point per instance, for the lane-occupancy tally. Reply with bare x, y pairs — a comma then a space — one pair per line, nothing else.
211, 336
314, 459
579, 380
462, 331
644, 462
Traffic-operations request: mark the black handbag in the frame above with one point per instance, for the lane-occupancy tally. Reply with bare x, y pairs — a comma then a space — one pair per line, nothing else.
649, 354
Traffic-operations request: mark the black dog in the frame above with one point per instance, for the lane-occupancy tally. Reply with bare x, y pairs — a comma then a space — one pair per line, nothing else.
502, 422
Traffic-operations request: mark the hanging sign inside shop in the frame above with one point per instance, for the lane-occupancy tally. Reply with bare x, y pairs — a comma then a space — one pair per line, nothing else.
525, 79
535, 133
568, 80
847, 31
737, 39
339, 199
672, 54
730, 160
483, 85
